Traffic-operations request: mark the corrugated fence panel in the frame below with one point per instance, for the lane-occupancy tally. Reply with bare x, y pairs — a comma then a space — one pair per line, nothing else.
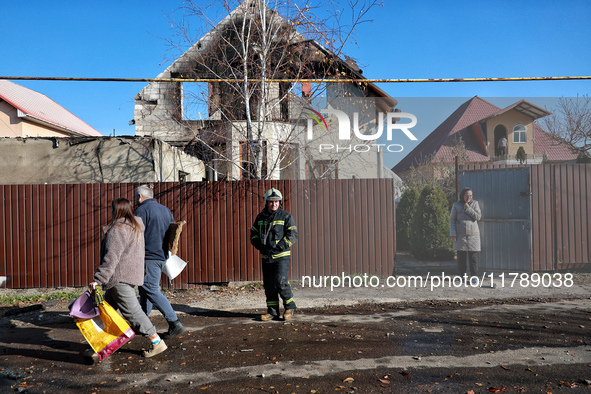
3, 244
298, 205
562, 241
333, 229
326, 233
583, 217
587, 225
541, 181
561, 214
389, 236
13, 235
505, 205
51, 233
572, 215
346, 226
239, 263
360, 227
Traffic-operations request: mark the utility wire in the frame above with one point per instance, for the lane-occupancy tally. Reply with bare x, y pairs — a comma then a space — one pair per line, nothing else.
319, 80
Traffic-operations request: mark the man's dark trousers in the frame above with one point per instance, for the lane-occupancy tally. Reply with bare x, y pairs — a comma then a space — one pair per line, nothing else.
276, 283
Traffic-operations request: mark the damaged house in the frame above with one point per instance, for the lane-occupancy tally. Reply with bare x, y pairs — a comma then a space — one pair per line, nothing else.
248, 100
43, 143
42, 160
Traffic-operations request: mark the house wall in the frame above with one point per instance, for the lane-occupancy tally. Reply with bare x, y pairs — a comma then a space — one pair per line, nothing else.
274, 133
158, 114
35, 130
92, 160
510, 119
11, 125
356, 158
156, 107
170, 161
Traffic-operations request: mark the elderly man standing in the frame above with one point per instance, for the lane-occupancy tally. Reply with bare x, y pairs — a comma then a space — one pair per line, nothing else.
157, 219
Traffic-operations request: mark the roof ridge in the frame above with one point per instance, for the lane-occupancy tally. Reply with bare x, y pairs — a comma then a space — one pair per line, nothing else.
432, 143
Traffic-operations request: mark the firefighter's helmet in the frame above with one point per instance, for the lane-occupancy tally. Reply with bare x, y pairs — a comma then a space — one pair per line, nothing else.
273, 195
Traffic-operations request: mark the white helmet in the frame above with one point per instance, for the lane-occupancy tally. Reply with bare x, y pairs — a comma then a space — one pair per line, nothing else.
273, 195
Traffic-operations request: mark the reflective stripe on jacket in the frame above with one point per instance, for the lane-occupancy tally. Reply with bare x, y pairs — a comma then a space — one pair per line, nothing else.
273, 234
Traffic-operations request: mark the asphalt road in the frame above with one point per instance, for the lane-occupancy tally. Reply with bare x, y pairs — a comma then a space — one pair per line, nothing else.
479, 344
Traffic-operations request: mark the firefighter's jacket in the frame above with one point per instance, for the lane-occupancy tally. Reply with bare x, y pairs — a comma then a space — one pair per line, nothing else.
273, 234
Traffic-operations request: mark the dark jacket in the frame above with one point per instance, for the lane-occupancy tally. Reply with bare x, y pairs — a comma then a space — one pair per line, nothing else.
273, 234
157, 219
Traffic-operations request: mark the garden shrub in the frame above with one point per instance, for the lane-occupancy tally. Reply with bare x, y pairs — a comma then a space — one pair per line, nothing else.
430, 226
404, 213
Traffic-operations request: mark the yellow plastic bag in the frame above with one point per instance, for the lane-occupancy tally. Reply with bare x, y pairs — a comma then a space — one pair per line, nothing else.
107, 332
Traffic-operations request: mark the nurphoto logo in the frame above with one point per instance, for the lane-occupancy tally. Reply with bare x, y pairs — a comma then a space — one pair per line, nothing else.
344, 127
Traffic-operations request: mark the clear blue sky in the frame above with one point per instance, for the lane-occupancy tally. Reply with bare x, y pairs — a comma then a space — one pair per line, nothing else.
407, 39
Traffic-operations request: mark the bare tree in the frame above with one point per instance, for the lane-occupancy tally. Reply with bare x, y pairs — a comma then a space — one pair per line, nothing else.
571, 123
440, 174
246, 115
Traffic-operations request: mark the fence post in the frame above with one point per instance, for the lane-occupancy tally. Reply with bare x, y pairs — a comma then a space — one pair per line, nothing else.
457, 167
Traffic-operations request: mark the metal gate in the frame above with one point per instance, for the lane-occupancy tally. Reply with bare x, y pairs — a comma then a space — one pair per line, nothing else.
504, 196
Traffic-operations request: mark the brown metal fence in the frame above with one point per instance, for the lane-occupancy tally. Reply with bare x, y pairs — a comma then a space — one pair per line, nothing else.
561, 214
51, 233
346, 226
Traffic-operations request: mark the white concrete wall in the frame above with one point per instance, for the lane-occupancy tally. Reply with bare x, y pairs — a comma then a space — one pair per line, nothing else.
92, 160
168, 161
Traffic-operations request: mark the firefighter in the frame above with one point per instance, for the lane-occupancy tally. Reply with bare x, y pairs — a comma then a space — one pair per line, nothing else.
273, 233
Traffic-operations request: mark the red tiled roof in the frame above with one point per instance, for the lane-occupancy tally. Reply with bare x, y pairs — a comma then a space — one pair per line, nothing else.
437, 146
555, 149
41, 108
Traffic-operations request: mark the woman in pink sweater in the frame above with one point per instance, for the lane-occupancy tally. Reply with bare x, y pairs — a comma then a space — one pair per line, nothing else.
122, 268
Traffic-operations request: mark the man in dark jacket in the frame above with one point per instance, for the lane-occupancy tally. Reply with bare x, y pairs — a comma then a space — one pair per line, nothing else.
157, 219
273, 233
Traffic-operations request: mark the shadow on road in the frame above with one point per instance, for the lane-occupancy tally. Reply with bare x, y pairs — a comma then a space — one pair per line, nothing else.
212, 312
34, 342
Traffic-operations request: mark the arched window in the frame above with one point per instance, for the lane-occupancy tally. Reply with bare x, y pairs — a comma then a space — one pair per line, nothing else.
519, 134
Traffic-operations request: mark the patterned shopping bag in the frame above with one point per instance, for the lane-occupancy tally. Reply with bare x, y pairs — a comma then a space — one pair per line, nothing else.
106, 332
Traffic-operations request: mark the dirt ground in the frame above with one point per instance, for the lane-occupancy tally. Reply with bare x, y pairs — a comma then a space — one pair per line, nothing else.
486, 338
514, 345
